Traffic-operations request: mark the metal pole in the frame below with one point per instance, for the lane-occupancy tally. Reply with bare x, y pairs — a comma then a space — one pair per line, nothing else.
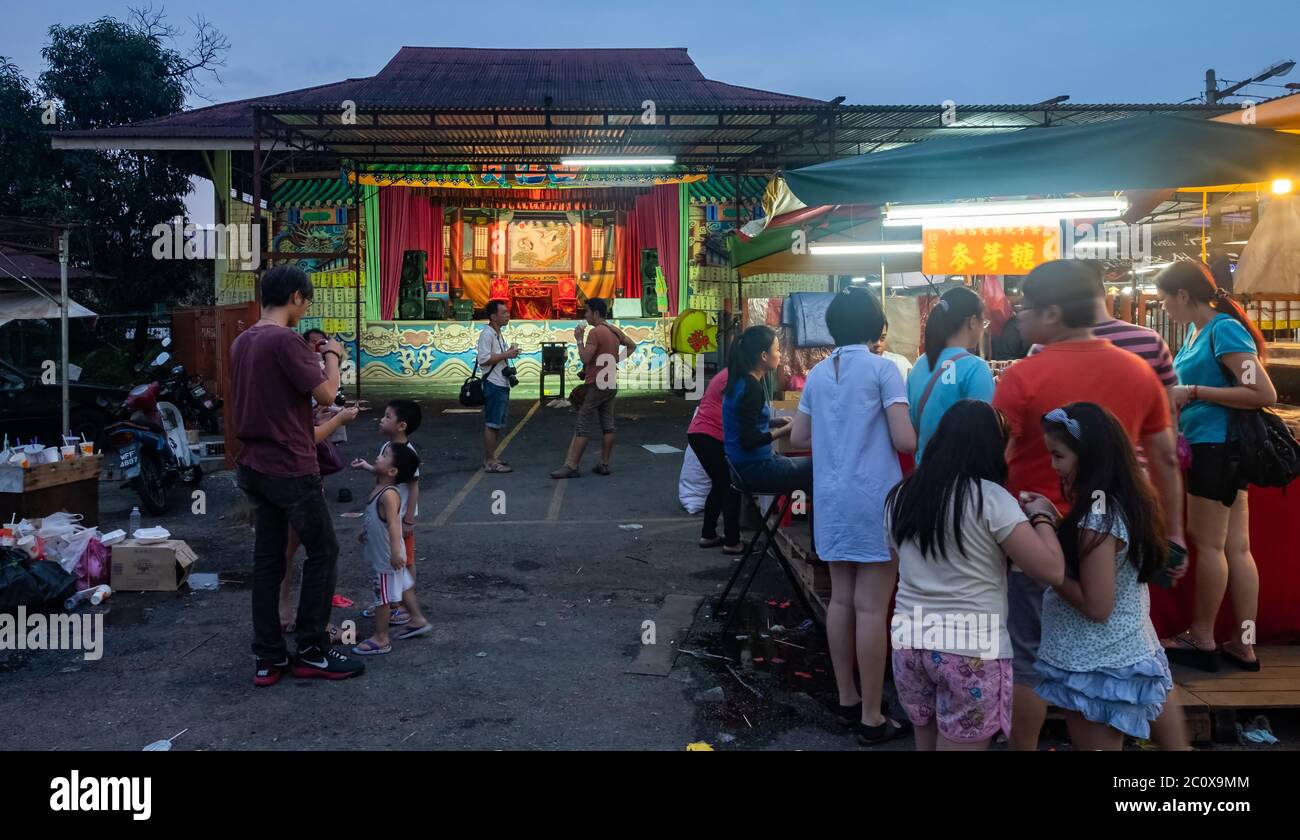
738, 313
63, 320
257, 202
356, 276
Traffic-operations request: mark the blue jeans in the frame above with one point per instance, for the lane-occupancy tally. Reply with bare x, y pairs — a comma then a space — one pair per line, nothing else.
777, 474
497, 405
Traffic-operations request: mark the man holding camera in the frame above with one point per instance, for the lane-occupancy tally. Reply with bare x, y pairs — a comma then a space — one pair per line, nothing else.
495, 357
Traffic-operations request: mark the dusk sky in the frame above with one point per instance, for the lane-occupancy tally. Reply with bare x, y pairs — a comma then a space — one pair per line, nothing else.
915, 52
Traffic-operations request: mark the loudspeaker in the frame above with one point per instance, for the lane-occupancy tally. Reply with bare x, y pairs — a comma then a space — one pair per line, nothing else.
649, 300
410, 288
435, 309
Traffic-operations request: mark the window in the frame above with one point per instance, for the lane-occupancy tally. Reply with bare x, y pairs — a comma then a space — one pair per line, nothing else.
480, 246
597, 248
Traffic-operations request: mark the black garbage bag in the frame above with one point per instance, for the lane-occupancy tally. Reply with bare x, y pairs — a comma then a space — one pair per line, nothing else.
17, 587
54, 584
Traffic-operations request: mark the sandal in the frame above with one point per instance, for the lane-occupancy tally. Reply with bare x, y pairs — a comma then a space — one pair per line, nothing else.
399, 617
870, 736
371, 648
733, 549
713, 543
499, 467
1182, 650
412, 632
601, 469
566, 471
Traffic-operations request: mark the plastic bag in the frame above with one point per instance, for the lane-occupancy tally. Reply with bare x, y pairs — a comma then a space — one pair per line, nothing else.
17, 587
58, 524
92, 566
67, 549
53, 584
694, 484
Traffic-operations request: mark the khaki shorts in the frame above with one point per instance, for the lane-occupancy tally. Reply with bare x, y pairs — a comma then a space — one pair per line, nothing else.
596, 413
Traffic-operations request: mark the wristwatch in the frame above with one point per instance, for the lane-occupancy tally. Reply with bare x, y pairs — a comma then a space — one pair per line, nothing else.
333, 353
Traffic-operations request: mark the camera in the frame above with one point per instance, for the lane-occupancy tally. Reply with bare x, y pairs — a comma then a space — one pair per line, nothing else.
510, 375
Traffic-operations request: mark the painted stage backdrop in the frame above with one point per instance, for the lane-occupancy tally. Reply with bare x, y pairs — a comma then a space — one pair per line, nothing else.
440, 354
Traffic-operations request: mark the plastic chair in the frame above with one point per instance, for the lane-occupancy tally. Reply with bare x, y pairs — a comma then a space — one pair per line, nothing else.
767, 532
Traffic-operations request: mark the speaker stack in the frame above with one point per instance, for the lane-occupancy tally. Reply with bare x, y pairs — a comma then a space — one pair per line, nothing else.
410, 289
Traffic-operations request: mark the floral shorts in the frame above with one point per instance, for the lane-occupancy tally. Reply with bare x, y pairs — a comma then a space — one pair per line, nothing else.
970, 697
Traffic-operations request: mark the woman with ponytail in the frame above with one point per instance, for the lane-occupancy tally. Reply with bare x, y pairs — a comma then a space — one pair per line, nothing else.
1220, 367
948, 371
747, 426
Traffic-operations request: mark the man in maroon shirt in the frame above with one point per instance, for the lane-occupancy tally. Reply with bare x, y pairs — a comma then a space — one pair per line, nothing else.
275, 375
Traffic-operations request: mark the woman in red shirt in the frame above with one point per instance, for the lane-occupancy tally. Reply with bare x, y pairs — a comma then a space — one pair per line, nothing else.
705, 436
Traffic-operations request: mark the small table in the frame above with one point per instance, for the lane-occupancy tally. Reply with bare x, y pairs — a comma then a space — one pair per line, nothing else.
530, 302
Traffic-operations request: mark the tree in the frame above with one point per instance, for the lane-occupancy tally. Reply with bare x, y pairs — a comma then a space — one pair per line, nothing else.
102, 74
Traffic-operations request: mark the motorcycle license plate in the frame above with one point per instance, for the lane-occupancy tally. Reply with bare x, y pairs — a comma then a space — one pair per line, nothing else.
129, 460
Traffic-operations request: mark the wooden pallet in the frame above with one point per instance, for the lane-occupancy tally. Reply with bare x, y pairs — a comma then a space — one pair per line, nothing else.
1211, 701
796, 541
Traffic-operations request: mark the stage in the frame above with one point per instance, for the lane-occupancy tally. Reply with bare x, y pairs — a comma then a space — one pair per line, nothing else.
439, 355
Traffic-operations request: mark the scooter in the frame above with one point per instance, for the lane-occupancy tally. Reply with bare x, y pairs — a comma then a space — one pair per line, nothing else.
153, 451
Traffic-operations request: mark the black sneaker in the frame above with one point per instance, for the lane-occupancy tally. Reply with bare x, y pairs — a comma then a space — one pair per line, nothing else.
327, 664
269, 672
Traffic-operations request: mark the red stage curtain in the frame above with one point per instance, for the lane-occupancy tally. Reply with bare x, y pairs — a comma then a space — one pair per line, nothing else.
407, 223
596, 198
653, 223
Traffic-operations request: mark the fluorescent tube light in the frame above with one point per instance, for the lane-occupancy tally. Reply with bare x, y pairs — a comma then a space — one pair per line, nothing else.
619, 161
868, 248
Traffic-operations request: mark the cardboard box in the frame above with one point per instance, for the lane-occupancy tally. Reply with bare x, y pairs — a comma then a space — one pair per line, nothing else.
160, 567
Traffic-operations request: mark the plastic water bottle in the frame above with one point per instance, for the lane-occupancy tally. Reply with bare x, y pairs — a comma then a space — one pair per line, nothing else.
135, 522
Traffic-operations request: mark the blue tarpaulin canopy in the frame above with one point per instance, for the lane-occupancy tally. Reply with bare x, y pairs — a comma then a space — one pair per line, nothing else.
1138, 153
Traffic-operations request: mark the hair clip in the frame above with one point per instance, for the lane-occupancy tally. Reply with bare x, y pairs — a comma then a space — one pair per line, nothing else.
1058, 415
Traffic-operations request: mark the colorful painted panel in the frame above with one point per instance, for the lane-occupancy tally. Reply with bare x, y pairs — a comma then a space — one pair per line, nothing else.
440, 354
540, 245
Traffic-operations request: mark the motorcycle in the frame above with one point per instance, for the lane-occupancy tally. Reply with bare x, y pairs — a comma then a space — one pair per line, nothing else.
153, 451
195, 402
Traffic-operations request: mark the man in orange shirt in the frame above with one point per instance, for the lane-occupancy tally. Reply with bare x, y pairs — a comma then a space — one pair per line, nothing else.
1058, 312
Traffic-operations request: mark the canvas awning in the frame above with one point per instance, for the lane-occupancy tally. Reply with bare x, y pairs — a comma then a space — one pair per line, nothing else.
1148, 152
27, 306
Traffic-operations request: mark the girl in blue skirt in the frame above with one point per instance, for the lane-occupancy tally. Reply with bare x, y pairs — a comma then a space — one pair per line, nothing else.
1100, 659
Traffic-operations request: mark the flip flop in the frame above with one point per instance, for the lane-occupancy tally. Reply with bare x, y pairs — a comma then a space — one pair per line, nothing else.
713, 543
399, 617
566, 472
733, 549
1251, 665
371, 648
601, 469
501, 467
1184, 651
412, 632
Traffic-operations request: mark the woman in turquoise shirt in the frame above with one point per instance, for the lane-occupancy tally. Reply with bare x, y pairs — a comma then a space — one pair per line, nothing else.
1220, 367
955, 325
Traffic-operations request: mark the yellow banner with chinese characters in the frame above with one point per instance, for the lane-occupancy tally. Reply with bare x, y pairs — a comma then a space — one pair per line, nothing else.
988, 250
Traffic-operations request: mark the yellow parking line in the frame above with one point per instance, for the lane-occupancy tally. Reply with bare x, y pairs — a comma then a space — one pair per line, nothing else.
474, 479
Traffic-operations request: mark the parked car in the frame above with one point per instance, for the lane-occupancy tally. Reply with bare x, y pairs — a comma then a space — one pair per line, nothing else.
30, 408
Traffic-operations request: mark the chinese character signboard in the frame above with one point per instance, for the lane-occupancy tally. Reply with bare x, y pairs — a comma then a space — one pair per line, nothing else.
988, 250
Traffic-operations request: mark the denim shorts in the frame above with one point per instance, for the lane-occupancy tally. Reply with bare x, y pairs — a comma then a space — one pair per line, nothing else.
497, 405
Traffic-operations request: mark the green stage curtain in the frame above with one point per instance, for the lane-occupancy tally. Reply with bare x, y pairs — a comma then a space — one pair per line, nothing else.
683, 248
370, 199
